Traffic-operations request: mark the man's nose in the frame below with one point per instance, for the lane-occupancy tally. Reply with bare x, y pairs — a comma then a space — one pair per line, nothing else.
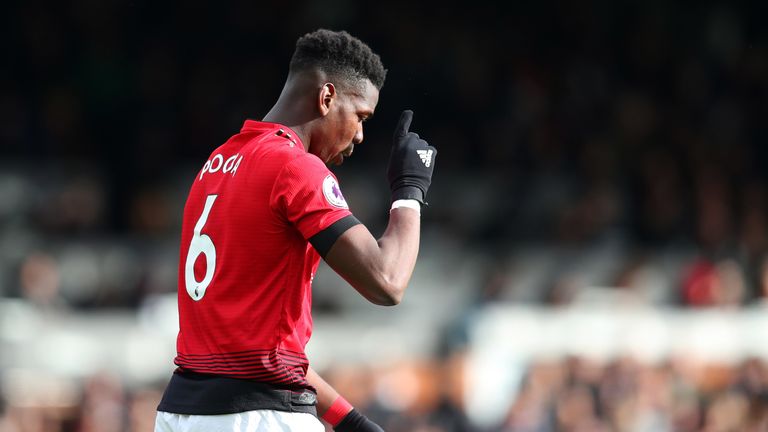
358, 136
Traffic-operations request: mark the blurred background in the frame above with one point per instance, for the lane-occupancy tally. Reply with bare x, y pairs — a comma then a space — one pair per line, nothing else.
593, 256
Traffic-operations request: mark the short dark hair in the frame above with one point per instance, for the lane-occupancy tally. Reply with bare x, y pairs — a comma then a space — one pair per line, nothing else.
340, 55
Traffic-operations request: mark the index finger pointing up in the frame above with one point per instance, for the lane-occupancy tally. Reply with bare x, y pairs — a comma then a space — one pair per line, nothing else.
404, 123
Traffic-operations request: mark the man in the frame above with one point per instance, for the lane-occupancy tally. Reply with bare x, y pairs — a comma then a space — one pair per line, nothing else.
260, 214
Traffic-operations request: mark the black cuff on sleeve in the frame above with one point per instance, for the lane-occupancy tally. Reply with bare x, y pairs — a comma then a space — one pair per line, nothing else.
356, 422
409, 192
323, 240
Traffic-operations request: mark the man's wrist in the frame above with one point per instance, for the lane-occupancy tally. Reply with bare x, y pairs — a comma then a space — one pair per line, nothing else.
406, 203
337, 411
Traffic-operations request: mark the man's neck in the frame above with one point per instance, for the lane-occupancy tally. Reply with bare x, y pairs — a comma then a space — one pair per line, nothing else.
284, 117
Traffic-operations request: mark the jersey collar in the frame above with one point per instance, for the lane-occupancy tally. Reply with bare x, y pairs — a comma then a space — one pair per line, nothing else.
280, 130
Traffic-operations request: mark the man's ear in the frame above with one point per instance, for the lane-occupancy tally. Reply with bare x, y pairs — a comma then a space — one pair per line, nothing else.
326, 97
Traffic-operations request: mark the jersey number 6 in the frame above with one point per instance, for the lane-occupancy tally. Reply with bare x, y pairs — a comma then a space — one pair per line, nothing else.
201, 244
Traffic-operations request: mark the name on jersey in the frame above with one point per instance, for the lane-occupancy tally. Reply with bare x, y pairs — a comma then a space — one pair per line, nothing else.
217, 163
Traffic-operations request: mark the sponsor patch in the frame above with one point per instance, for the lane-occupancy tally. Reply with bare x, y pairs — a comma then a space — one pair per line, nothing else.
306, 398
333, 193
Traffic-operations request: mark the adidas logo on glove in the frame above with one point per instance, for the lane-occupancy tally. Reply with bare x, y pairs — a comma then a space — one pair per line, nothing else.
426, 157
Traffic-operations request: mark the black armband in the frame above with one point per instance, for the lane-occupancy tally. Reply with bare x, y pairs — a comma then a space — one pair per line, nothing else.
326, 238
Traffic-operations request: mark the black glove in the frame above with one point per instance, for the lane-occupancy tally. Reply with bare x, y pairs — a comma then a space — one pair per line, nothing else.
356, 422
411, 163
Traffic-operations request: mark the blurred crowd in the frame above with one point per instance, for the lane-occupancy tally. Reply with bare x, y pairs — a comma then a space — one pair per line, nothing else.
101, 403
578, 394
581, 144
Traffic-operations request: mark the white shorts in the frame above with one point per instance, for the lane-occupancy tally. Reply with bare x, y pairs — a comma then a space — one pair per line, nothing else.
249, 421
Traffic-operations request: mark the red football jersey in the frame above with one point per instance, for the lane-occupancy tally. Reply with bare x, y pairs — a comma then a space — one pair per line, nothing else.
246, 265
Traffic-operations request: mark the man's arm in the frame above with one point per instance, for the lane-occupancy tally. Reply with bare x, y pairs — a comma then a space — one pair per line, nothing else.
380, 269
335, 410
325, 393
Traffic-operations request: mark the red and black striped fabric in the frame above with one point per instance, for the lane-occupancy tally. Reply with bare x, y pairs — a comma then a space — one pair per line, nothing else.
273, 366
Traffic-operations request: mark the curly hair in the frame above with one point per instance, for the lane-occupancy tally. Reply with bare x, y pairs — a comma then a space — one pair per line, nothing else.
340, 55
